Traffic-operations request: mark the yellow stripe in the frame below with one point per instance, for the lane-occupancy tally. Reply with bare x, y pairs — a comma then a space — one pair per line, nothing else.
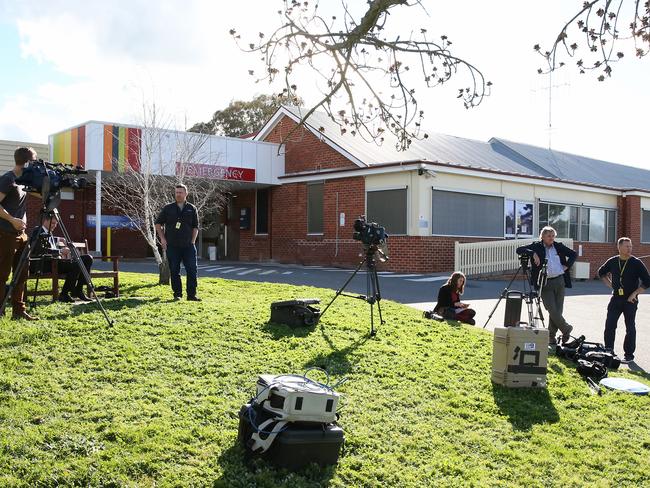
58, 148
122, 150
67, 147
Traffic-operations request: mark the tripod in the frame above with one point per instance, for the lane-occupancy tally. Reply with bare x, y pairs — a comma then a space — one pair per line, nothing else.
373, 294
531, 296
49, 206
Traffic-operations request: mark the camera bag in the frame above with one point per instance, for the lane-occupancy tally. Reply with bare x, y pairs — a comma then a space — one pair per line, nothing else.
296, 313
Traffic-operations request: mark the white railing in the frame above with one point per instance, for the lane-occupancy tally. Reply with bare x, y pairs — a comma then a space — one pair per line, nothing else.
476, 258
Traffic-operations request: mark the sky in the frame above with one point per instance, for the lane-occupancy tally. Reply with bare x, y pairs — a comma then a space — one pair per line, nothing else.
66, 62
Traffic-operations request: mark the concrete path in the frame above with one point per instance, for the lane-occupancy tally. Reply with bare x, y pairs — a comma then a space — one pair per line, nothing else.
585, 305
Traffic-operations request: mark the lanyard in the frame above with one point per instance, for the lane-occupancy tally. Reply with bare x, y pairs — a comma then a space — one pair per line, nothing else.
622, 270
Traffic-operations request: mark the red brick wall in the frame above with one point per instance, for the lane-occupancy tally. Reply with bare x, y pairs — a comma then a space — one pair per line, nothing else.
304, 151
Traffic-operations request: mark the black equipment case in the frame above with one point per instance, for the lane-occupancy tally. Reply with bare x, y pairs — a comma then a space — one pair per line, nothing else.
299, 444
296, 313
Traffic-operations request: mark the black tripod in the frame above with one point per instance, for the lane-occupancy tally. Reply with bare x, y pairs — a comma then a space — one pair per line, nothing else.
373, 294
531, 294
35, 243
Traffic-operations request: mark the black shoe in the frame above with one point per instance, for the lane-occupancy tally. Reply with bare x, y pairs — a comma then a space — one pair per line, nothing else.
82, 296
65, 298
193, 299
177, 298
627, 359
566, 336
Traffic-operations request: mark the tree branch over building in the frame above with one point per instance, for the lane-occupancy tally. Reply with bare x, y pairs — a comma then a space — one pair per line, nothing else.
367, 77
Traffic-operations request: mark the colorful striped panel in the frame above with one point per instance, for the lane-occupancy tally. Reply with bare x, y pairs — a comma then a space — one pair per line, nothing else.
121, 148
70, 147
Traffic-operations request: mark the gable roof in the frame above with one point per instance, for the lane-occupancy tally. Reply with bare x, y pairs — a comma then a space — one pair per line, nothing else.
496, 155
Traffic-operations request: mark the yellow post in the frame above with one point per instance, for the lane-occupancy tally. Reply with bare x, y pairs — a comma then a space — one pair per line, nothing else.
108, 241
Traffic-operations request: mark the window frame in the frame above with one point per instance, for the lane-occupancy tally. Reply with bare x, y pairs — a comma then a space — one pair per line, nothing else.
408, 205
581, 210
518, 201
465, 192
314, 183
268, 198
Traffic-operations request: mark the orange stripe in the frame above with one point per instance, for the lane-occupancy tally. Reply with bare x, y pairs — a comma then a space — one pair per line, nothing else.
108, 147
74, 153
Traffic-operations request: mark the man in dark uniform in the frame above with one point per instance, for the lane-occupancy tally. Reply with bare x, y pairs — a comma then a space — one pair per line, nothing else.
181, 223
74, 278
13, 207
627, 276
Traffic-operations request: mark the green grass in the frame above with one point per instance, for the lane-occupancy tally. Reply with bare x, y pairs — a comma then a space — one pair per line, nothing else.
153, 401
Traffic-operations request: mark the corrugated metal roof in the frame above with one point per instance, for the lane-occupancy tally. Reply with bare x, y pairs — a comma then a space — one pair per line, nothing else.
495, 155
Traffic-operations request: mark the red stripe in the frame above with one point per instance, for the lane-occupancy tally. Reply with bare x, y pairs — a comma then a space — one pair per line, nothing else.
134, 148
81, 151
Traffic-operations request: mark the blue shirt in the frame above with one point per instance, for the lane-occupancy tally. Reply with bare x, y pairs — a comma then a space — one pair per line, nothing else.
554, 266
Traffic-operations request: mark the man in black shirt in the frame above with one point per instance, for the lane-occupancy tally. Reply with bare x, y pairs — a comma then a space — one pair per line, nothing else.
13, 207
627, 276
181, 223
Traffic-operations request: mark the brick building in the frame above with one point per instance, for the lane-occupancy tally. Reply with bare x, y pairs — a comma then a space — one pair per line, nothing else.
440, 191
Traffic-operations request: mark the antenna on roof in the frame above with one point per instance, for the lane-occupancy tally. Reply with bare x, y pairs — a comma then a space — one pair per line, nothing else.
550, 104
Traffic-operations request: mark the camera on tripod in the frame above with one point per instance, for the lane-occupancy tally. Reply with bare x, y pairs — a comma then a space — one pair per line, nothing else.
51, 177
369, 233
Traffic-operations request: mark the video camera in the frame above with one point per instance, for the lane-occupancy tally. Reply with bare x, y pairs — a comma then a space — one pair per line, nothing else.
51, 177
369, 233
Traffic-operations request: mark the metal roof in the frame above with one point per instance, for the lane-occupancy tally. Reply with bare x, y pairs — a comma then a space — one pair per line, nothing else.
497, 154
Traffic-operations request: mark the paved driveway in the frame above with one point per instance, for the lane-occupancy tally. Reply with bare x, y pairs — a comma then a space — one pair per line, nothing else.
584, 306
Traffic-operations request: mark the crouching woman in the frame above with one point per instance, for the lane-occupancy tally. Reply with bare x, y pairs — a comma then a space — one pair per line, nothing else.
449, 305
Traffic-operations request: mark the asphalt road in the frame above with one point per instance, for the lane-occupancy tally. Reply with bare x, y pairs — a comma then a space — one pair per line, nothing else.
585, 304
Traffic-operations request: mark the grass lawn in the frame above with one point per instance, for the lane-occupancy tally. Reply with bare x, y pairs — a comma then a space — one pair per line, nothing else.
153, 401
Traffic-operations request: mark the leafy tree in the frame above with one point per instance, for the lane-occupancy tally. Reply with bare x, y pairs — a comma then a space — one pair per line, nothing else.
243, 117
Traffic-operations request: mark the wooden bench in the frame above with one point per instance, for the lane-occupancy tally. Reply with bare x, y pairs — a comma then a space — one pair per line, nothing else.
55, 277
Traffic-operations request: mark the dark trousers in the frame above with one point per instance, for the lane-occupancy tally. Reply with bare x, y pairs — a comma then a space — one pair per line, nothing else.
74, 279
616, 307
553, 298
11, 248
186, 255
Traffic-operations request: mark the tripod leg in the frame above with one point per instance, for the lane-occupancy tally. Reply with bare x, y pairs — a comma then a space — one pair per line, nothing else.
20, 268
76, 258
340, 290
503, 294
377, 293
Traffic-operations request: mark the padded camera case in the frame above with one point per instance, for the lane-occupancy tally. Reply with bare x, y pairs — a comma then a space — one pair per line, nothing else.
299, 444
296, 313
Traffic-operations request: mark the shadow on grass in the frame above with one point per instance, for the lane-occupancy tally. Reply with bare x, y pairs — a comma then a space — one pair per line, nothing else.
338, 361
525, 407
278, 331
130, 288
637, 370
241, 468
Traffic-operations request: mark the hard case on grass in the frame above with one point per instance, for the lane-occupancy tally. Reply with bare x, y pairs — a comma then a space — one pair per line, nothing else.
519, 356
299, 444
295, 313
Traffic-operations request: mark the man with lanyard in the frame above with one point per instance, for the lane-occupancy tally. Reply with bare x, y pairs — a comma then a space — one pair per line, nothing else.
13, 240
559, 259
181, 223
627, 276
74, 278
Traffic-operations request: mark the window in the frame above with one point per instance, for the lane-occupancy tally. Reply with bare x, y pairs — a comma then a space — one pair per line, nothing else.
467, 214
389, 209
262, 212
645, 225
586, 224
519, 218
315, 208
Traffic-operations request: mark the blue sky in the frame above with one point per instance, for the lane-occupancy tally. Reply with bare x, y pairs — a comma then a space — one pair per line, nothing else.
68, 61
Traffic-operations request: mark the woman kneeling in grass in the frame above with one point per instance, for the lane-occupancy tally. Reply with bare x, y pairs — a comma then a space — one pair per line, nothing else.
449, 304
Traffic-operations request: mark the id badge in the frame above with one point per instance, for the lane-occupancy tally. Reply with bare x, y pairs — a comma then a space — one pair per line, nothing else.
620, 292
178, 225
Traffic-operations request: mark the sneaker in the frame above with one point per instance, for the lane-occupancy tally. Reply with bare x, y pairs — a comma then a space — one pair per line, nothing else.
177, 298
66, 298
193, 299
566, 336
627, 359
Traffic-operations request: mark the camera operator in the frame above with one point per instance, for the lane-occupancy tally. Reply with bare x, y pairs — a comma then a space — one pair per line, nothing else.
13, 240
74, 278
559, 259
181, 222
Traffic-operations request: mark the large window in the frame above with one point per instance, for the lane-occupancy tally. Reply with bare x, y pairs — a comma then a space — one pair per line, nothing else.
519, 218
389, 209
262, 212
467, 214
585, 224
315, 208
